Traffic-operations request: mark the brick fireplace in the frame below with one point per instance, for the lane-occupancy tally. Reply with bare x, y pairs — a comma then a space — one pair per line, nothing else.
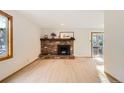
57, 48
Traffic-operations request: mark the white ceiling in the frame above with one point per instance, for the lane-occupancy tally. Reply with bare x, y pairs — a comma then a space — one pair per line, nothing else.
66, 18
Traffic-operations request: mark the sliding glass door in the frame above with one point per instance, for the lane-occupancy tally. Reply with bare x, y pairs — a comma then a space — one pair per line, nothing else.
97, 44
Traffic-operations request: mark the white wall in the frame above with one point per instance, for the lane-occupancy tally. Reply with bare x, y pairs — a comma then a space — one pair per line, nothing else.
26, 45
114, 44
82, 44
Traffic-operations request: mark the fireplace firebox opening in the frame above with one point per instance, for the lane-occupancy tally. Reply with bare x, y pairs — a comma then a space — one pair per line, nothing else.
63, 49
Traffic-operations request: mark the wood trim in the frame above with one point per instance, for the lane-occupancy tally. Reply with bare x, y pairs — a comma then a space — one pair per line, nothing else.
11, 37
5, 14
91, 41
56, 39
19, 70
112, 77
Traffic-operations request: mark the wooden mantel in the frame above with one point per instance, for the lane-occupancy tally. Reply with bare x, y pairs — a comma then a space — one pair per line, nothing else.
57, 39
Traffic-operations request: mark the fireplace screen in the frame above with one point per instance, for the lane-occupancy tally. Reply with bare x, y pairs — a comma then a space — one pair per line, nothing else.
63, 49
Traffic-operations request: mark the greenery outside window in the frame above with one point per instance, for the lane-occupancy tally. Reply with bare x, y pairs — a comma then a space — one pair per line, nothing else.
6, 36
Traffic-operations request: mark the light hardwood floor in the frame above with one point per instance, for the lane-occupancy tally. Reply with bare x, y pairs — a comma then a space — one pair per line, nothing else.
78, 70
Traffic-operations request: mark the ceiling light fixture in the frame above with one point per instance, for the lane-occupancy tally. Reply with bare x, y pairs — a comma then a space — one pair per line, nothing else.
62, 24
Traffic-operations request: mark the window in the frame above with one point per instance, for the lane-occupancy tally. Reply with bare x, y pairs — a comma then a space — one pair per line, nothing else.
6, 43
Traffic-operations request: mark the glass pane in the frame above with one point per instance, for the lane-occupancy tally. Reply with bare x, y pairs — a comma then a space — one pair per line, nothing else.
97, 44
3, 36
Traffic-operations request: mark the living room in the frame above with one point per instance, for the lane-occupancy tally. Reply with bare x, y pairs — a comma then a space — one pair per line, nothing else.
60, 39
61, 46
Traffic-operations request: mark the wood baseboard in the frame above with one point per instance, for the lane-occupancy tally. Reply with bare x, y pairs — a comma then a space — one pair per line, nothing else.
112, 77
18, 70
